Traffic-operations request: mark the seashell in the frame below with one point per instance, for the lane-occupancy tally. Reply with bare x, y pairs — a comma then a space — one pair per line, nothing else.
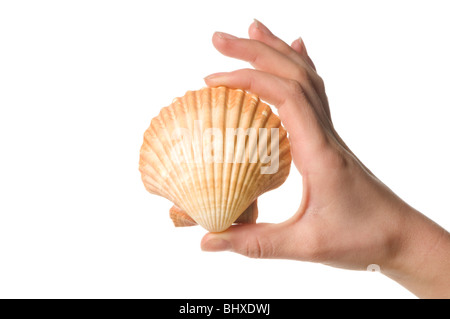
212, 152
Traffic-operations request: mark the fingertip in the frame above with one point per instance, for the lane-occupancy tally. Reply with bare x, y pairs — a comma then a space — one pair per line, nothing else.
216, 39
223, 36
212, 242
297, 45
258, 30
215, 79
253, 29
215, 75
302, 44
252, 25
224, 42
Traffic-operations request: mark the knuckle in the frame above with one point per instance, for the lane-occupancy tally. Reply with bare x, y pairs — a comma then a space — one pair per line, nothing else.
301, 74
335, 159
257, 248
321, 83
320, 79
294, 86
247, 73
248, 76
296, 89
253, 58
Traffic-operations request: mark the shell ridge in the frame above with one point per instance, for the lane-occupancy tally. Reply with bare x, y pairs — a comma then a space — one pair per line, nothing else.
188, 160
218, 93
162, 178
227, 167
190, 101
283, 166
185, 188
191, 165
250, 177
253, 169
256, 179
176, 184
207, 99
232, 187
150, 168
202, 203
251, 105
278, 179
150, 184
223, 165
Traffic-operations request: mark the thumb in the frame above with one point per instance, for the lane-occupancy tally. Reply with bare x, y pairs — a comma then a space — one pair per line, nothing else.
254, 240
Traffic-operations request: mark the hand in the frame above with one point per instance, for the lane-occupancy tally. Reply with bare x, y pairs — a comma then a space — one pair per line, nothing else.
347, 218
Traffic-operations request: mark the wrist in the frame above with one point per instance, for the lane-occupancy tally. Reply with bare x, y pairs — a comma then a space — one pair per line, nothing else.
422, 259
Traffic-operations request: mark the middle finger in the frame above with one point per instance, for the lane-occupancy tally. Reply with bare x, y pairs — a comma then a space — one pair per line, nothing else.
265, 58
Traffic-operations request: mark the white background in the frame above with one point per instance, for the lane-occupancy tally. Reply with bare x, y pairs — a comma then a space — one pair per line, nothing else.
81, 80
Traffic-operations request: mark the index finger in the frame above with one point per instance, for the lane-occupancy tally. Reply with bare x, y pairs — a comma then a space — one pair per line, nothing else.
296, 113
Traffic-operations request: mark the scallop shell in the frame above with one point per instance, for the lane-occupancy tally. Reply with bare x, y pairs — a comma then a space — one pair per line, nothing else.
212, 152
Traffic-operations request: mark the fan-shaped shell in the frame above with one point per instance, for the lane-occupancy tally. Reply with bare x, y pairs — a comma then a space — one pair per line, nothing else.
212, 152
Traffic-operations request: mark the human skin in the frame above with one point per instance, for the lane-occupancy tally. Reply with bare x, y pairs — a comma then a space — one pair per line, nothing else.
347, 218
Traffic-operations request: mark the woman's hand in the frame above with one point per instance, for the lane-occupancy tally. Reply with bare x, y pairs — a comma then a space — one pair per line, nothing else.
347, 218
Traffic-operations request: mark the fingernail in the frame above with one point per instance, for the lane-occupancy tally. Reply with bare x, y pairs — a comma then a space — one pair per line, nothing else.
214, 75
302, 44
262, 27
216, 244
224, 35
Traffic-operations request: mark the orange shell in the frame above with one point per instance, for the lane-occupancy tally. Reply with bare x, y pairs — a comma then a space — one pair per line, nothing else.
214, 189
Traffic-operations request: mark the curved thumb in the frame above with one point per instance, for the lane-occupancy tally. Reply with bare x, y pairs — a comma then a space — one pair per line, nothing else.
253, 240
